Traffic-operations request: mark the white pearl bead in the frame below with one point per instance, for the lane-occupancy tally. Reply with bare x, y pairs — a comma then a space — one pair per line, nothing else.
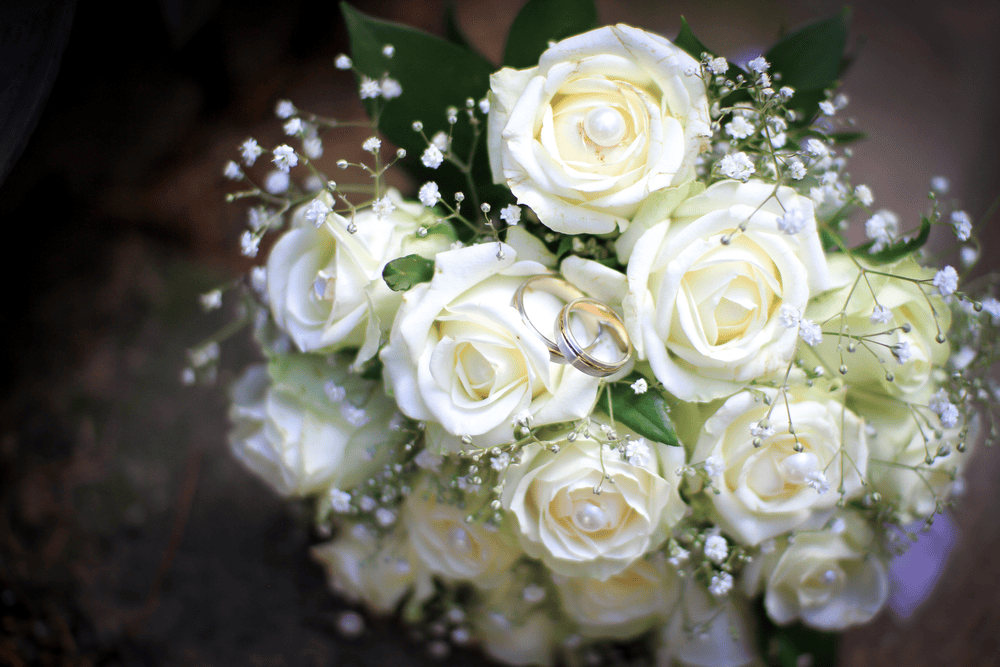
829, 577
605, 126
795, 467
460, 540
589, 517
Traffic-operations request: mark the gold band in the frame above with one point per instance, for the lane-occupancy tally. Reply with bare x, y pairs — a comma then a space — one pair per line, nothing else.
556, 287
605, 320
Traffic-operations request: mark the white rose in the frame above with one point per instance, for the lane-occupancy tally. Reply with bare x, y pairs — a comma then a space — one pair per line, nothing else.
460, 356
705, 313
828, 580
514, 630
378, 570
771, 489
325, 284
624, 605
452, 547
606, 118
898, 469
907, 304
705, 632
578, 532
299, 438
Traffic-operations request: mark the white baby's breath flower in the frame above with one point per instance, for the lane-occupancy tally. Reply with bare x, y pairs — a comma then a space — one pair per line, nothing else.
739, 128
786, 92
946, 281
758, 65
716, 548
391, 88
258, 280
432, 157
793, 222
372, 145
500, 461
796, 169
940, 184
789, 316
826, 106
637, 453
810, 332
294, 126
678, 556
383, 207
736, 166
232, 171
721, 584
276, 182
211, 300
715, 466
441, 140
864, 195
640, 386
388, 50
881, 314
369, 88
992, 308
484, 105
718, 66
882, 227
250, 150
285, 157
902, 351
969, 255
963, 225
316, 212
511, 214
284, 109
817, 480
949, 416
249, 244
343, 62
429, 194
312, 147
816, 148
428, 460
340, 501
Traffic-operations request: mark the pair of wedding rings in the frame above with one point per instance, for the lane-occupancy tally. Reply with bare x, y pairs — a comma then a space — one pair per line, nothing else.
598, 320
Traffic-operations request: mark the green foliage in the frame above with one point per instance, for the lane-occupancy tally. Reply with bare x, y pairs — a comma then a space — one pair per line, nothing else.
896, 252
404, 272
434, 74
782, 646
646, 414
542, 21
810, 60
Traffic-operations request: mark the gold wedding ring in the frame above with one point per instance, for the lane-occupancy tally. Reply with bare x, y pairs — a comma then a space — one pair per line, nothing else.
556, 287
605, 320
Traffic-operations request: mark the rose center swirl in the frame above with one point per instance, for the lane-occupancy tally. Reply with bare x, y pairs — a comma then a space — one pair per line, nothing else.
605, 126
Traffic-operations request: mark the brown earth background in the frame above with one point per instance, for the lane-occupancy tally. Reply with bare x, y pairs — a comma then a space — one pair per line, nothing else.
128, 535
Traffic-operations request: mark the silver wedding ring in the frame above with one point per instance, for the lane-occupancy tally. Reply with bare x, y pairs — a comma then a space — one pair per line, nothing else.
596, 319
556, 287
605, 321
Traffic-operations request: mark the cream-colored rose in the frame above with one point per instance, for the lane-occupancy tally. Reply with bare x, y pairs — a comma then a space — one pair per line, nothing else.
576, 531
450, 546
377, 570
606, 118
705, 313
305, 425
707, 632
771, 489
461, 358
905, 304
624, 605
325, 284
898, 468
830, 580
516, 629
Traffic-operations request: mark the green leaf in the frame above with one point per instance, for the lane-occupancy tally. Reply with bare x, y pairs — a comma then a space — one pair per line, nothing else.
686, 40
846, 138
782, 646
898, 251
810, 60
542, 21
646, 414
403, 273
434, 74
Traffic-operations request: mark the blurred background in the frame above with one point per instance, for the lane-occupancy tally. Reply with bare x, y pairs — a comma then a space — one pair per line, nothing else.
128, 535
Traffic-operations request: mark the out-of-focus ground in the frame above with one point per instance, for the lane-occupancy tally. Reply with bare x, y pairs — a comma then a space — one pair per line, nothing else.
128, 535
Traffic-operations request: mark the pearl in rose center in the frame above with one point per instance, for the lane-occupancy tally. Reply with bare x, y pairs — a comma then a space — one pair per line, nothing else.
605, 126
460, 540
588, 517
829, 577
796, 467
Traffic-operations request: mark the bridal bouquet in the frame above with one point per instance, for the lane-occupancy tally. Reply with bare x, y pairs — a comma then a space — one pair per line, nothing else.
622, 382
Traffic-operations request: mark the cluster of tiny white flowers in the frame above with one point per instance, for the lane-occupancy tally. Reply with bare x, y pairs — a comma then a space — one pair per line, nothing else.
737, 166
946, 281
